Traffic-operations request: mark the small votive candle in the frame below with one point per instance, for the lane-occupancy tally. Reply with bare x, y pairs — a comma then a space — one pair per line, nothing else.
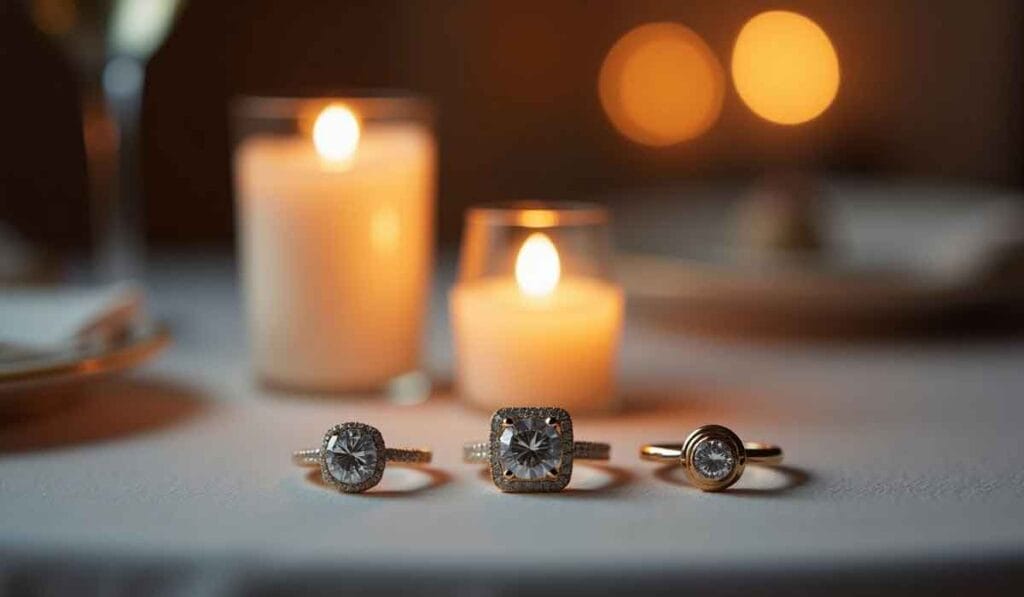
335, 205
535, 317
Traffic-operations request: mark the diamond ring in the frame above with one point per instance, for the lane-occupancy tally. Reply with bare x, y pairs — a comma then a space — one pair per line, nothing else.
532, 450
713, 456
352, 457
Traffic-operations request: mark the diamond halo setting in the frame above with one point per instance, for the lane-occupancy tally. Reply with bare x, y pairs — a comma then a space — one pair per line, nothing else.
352, 457
531, 449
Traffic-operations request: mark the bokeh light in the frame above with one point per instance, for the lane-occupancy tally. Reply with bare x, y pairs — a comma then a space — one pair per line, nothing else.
784, 67
660, 84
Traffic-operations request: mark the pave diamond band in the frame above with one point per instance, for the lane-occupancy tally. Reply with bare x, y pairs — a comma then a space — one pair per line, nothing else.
309, 457
352, 457
480, 452
713, 456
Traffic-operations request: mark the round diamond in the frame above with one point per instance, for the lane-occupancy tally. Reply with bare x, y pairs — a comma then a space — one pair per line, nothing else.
714, 459
351, 456
530, 448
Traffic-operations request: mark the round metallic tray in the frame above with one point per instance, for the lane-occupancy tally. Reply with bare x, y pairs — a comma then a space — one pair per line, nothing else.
76, 365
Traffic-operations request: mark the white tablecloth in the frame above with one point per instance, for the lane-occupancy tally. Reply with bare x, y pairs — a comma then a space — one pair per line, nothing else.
904, 472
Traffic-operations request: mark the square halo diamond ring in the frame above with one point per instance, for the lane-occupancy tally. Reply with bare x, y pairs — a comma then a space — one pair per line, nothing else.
532, 449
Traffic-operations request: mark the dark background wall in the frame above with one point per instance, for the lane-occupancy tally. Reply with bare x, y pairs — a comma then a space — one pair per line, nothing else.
929, 88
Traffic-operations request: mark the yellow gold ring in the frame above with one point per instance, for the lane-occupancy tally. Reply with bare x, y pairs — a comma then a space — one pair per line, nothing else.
713, 456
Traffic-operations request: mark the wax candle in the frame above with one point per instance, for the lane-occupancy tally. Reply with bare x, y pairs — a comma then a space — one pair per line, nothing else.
335, 228
538, 337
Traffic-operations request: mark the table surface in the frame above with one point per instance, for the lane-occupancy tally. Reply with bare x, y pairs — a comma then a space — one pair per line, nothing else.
903, 471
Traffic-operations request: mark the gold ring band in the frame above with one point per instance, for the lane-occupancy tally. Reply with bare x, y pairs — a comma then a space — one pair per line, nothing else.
756, 452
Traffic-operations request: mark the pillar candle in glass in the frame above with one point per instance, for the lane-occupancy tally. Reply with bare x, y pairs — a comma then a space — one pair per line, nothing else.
535, 316
335, 202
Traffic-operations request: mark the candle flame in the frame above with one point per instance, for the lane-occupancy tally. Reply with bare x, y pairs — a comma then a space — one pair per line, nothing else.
336, 133
537, 266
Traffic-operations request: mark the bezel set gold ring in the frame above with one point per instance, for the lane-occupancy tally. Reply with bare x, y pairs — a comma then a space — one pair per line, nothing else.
532, 450
713, 456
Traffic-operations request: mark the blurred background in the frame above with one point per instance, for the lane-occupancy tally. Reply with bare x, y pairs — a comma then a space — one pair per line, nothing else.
882, 204
929, 89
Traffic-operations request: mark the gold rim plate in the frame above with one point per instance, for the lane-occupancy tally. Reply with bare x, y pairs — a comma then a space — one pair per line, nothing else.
79, 365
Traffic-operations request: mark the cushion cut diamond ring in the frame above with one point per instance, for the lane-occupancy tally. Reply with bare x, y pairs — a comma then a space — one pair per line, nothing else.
352, 457
532, 449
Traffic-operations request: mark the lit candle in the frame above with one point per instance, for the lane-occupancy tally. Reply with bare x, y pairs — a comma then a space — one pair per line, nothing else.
538, 337
335, 227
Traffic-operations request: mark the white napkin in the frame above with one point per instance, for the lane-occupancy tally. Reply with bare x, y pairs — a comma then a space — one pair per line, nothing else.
54, 318
986, 246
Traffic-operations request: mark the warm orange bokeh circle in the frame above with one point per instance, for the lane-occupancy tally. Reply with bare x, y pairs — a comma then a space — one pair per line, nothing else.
784, 67
660, 84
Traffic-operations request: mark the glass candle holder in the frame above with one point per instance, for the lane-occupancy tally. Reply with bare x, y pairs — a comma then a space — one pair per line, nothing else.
535, 316
335, 203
